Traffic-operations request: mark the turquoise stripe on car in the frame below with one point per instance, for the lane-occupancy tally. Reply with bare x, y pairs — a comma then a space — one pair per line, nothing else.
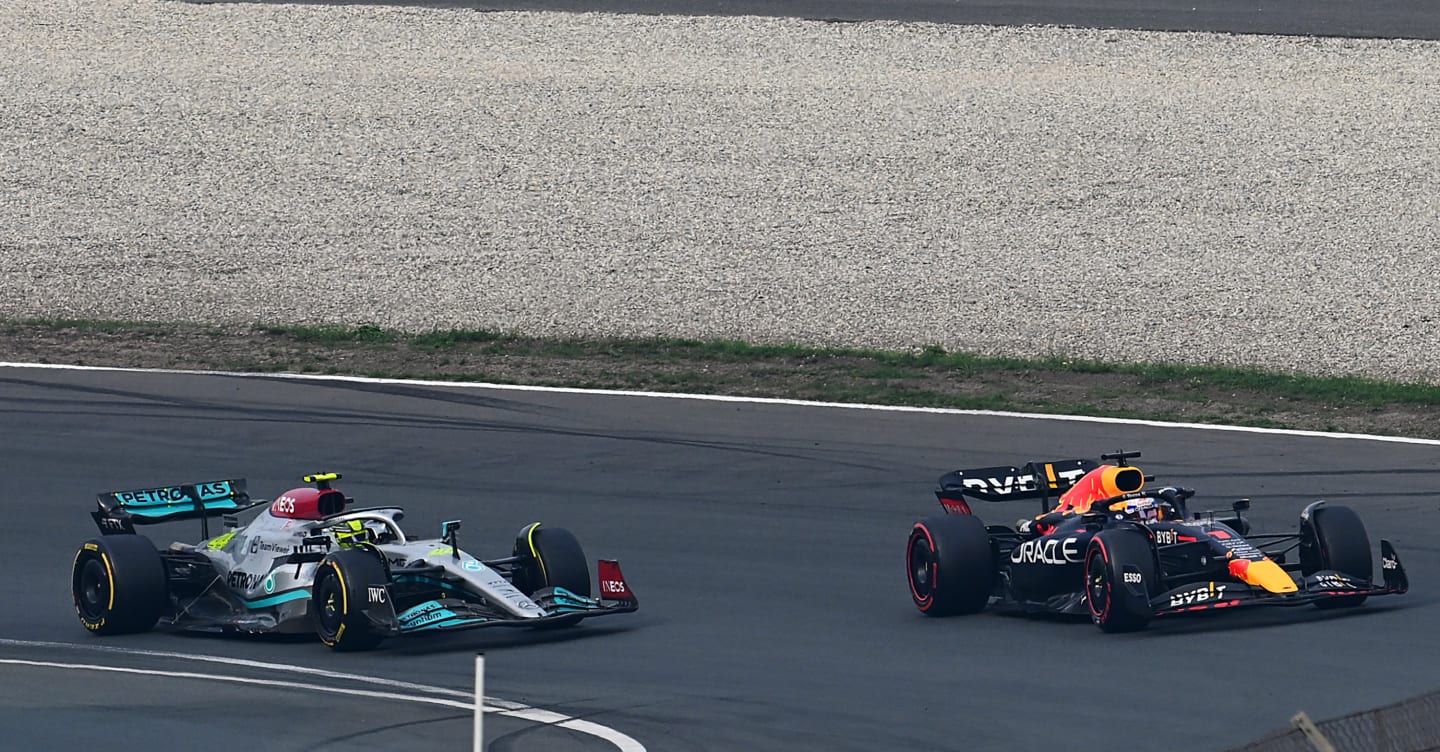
451, 622
277, 599
428, 581
163, 511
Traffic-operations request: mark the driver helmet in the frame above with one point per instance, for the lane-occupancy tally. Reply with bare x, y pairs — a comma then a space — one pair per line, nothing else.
351, 532
1148, 509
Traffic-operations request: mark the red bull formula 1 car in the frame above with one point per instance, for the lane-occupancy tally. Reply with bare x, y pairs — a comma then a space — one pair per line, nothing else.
1124, 555
307, 562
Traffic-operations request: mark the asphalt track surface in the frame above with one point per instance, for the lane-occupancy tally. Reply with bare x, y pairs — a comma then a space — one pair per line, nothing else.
764, 541
1383, 19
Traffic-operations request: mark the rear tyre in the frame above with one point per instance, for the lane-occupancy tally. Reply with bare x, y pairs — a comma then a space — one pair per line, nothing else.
950, 565
551, 557
340, 595
1120, 574
118, 584
1334, 538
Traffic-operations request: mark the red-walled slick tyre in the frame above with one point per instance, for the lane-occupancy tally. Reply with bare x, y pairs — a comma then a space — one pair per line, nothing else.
1120, 574
950, 564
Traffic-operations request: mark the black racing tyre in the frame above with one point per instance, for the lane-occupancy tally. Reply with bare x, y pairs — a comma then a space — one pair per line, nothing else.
1120, 576
340, 595
551, 557
118, 583
950, 565
1334, 538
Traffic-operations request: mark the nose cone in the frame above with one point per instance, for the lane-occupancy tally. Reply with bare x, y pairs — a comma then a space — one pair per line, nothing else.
1263, 573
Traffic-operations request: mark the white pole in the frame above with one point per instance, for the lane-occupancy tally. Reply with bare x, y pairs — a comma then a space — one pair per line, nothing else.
479, 702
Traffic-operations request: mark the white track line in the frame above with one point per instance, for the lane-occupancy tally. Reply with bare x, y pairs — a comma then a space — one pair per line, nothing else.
729, 398
245, 663
521, 711
423, 699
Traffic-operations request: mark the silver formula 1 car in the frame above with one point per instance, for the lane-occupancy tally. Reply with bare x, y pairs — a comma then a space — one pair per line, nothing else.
308, 562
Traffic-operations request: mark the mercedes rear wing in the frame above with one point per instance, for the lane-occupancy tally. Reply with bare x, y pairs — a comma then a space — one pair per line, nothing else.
1035, 480
120, 511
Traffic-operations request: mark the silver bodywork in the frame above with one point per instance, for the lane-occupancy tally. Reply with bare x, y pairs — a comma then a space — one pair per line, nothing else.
257, 586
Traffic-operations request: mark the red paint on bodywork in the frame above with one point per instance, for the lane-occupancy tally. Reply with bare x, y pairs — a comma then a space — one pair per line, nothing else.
955, 506
308, 504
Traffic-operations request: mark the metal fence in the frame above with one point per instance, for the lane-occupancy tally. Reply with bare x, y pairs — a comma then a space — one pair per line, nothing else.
1408, 726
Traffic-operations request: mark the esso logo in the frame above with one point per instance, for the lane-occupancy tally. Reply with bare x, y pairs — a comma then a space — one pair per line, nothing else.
283, 505
1133, 578
612, 586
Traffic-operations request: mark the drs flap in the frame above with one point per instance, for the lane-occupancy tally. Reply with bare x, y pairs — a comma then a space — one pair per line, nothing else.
165, 503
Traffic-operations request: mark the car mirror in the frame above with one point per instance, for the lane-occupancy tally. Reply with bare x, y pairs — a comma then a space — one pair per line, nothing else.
448, 534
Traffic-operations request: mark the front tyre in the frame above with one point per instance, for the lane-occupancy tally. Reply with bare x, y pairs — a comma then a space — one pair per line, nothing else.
1334, 538
118, 584
340, 596
1120, 574
551, 557
950, 565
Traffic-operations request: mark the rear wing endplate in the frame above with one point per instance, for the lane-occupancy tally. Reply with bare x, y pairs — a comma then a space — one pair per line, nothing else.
1035, 480
120, 511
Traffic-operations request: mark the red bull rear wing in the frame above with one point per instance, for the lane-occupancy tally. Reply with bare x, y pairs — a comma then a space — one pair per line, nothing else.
1036, 480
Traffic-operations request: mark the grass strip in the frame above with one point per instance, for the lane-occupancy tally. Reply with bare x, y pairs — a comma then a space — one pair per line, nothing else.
926, 377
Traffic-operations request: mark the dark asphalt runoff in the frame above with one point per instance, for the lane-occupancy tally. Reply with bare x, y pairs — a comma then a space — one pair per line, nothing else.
765, 544
1385, 19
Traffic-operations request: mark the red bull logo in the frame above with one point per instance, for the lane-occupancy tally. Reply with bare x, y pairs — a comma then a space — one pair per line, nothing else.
1099, 484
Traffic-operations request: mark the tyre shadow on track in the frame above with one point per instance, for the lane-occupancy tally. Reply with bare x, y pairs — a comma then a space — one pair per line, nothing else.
453, 642
497, 639
1214, 622
1263, 618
